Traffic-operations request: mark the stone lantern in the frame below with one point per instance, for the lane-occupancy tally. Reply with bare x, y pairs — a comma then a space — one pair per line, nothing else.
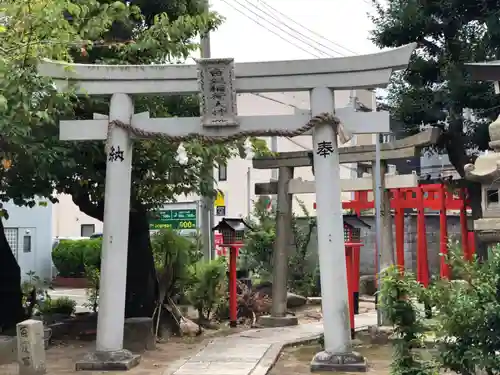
486, 170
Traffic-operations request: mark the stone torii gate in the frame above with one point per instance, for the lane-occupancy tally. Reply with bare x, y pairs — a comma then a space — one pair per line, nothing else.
217, 81
286, 186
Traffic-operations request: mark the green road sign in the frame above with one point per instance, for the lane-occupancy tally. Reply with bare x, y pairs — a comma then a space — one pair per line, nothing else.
173, 219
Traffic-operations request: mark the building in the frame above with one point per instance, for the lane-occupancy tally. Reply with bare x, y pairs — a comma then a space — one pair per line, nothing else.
237, 179
31, 231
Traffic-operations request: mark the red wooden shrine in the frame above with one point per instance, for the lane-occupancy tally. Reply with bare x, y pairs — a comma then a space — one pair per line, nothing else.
427, 196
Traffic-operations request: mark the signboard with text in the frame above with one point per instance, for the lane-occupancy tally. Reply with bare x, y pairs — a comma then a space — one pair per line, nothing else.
177, 219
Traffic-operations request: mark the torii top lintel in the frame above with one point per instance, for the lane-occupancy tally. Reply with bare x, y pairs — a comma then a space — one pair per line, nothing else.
401, 148
362, 71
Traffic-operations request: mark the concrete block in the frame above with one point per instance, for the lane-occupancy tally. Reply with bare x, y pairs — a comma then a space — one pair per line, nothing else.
277, 321
338, 362
138, 334
120, 360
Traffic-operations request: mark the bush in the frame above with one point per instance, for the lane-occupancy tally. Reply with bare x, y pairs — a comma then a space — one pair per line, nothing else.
167, 241
62, 305
93, 275
173, 256
466, 322
207, 287
257, 254
71, 256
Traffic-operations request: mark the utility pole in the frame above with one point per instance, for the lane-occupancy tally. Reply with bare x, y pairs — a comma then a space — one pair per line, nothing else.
207, 206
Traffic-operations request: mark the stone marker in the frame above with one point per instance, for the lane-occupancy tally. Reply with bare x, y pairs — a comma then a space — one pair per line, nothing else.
30, 347
138, 335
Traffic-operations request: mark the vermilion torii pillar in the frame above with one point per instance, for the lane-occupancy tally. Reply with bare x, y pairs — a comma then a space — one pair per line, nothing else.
217, 81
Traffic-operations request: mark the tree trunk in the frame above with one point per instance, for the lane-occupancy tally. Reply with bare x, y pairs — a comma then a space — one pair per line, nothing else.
142, 285
10, 286
141, 273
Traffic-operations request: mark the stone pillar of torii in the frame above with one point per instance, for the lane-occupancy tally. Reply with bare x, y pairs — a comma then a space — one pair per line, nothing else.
286, 186
217, 81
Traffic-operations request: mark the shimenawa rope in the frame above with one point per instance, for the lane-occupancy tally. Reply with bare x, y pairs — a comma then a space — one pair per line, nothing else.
321, 119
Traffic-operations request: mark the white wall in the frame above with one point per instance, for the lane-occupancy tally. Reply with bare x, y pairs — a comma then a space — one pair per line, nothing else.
35, 225
68, 219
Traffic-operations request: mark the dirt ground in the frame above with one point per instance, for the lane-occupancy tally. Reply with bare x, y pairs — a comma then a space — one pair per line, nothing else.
296, 360
62, 355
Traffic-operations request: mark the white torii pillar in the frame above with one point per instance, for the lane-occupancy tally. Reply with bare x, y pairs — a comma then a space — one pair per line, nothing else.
219, 119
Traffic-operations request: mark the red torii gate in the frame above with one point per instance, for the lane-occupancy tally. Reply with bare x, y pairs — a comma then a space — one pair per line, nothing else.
426, 196
431, 196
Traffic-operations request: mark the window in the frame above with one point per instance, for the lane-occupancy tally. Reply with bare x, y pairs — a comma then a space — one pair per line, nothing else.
492, 196
386, 138
12, 238
87, 230
222, 172
27, 244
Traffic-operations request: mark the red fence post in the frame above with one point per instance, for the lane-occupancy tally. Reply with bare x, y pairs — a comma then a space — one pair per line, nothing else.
356, 255
348, 261
233, 290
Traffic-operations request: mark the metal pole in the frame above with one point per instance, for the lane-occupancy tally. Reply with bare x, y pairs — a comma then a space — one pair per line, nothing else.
274, 148
207, 207
249, 190
378, 207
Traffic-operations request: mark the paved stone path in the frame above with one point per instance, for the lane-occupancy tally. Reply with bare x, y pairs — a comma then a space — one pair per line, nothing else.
252, 352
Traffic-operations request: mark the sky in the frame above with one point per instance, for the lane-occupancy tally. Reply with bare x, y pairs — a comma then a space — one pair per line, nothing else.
343, 24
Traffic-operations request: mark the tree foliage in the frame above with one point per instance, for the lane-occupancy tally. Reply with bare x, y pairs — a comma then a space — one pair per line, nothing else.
32, 107
97, 32
436, 89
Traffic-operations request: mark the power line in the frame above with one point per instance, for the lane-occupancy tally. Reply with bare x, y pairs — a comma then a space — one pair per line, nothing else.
305, 28
293, 29
273, 32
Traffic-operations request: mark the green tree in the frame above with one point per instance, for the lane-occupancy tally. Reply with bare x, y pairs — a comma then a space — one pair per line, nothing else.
435, 89
92, 31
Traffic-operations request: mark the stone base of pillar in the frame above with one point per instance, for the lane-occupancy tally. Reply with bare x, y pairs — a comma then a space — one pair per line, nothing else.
269, 321
338, 362
120, 360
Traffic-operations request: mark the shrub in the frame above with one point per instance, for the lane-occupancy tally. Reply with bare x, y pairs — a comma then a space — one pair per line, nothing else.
466, 323
257, 254
93, 275
71, 256
207, 287
173, 255
62, 305
35, 293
